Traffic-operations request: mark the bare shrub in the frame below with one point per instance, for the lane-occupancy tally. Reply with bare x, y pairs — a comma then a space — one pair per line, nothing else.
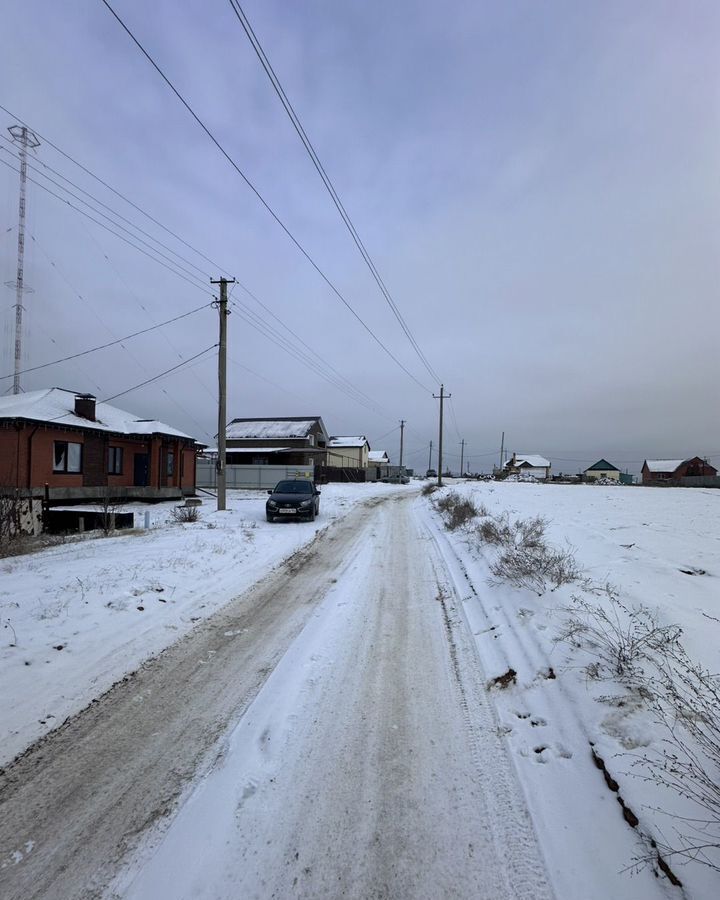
455, 510
526, 561
530, 533
109, 506
185, 514
630, 644
495, 531
535, 567
686, 701
624, 641
428, 489
12, 507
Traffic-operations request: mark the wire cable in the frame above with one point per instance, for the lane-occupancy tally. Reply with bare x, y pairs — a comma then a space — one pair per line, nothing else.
260, 197
292, 115
117, 193
195, 283
185, 362
127, 337
111, 220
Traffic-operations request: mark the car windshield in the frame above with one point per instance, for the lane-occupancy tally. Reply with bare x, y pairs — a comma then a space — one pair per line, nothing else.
293, 487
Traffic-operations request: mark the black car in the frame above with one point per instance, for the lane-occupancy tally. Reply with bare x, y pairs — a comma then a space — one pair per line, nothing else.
294, 499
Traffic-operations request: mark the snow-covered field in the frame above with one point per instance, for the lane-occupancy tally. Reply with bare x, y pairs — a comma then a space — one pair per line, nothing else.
78, 616
377, 748
659, 549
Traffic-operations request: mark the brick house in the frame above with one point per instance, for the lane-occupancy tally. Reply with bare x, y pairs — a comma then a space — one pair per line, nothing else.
82, 450
671, 471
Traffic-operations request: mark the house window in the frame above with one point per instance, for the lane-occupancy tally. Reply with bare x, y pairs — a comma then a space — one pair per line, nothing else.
170, 463
67, 457
115, 460
311, 440
259, 460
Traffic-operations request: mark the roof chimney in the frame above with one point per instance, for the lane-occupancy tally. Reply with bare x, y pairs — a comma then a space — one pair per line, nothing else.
85, 406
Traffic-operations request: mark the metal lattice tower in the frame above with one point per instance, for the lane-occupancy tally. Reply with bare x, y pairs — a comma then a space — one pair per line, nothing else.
22, 135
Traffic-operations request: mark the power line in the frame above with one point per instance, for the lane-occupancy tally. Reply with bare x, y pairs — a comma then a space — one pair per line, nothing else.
109, 344
306, 359
311, 359
138, 362
260, 197
113, 222
161, 375
292, 115
113, 190
194, 283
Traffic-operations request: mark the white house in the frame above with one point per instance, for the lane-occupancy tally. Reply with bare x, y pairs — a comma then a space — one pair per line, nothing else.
528, 464
348, 451
378, 465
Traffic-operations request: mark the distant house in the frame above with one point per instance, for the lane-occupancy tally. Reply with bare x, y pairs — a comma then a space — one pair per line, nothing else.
602, 469
84, 450
528, 464
286, 441
378, 465
348, 451
664, 471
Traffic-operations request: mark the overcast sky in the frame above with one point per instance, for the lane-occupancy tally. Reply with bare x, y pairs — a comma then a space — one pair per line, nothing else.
537, 183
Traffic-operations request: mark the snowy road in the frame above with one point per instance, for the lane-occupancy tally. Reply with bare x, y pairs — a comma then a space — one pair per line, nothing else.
346, 743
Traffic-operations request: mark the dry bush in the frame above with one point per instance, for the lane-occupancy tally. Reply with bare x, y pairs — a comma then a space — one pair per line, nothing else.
625, 641
185, 514
525, 559
530, 533
686, 701
455, 510
428, 489
11, 510
495, 530
536, 566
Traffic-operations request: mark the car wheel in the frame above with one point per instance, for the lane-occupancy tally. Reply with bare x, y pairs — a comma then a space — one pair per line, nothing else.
311, 517
270, 518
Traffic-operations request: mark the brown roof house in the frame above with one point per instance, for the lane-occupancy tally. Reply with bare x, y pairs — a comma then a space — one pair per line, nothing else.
676, 471
80, 448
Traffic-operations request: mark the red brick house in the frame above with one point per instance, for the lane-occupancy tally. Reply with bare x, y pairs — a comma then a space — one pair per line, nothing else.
671, 471
83, 450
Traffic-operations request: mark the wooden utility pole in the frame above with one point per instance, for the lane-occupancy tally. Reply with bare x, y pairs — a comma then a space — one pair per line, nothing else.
502, 450
442, 397
402, 429
222, 390
430, 457
462, 455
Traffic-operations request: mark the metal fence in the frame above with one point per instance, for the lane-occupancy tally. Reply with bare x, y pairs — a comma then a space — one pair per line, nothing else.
248, 477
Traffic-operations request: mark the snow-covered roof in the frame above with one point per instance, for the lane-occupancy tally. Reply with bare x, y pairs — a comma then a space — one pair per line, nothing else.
269, 429
378, 456
57, 405
528, 459
255, 449
663, 465
348, 441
